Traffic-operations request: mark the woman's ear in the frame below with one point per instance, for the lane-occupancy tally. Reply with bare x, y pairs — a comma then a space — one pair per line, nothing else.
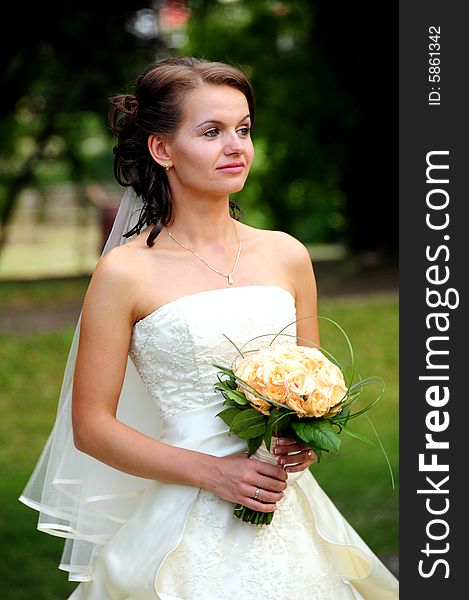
159, 151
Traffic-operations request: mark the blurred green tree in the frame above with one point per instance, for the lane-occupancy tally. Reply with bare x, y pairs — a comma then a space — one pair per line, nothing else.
58, 68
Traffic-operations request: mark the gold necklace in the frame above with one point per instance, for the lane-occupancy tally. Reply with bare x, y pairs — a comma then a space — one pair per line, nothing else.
229, 276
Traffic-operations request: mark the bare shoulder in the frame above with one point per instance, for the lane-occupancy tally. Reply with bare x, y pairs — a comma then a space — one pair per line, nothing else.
289, 246
116, 268
122, 264
114, 282
283, 246
117, 262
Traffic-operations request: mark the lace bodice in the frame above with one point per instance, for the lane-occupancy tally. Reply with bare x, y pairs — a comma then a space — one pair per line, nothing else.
175, 347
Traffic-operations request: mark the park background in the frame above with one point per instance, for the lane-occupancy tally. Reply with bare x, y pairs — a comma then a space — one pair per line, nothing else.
325, 138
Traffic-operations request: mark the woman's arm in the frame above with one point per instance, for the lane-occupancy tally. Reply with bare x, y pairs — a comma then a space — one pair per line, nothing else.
304, 284
106, 326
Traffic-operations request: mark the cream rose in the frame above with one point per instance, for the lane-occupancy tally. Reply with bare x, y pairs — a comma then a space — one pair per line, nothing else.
317, 404
272, 373
300, 382
277, 393
258, 403
297, 404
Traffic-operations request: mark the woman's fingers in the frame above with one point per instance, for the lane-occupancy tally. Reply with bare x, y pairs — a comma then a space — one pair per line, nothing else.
260, 506
287, 446
261, 499
298, 468
261, 485
266, 497
296, 465
293, 456
237, 478
307, 456
268, 470
270, 484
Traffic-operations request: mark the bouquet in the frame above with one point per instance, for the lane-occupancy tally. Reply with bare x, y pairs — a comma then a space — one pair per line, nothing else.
300, 392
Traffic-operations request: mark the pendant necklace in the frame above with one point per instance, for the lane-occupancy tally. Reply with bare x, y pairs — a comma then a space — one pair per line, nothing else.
229, 275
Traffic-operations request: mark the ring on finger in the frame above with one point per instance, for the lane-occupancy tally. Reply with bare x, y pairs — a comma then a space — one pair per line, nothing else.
256, 494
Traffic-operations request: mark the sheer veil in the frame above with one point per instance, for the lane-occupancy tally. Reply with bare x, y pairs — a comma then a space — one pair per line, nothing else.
78, 497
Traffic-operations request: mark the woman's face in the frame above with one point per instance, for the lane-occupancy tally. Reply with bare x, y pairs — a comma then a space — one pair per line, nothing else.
212, 151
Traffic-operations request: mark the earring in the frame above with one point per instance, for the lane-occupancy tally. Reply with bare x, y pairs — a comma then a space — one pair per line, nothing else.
167, 167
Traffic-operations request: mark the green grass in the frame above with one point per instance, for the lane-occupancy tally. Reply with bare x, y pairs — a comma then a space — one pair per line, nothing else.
29, 559
357, 478
31, 368
30, 373
25, 294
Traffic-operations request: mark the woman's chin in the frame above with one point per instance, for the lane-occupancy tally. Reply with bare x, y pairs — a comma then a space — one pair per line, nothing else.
227, 190
236, 186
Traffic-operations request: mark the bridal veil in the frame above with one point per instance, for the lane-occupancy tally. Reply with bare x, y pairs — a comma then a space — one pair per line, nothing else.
78, 497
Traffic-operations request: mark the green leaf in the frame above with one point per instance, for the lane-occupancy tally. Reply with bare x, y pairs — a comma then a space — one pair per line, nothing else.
254, 443
226, 384
223, 384
318, 432
224, 370
231, 403
249, 424
238, 397
228, 415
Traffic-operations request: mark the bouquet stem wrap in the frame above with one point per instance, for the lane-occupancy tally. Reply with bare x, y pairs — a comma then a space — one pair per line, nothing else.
253, 516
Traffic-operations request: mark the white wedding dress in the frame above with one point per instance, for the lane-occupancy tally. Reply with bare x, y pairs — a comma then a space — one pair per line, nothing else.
184, 543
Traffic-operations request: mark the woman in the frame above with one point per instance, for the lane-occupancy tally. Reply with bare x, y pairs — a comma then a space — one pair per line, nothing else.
148, 509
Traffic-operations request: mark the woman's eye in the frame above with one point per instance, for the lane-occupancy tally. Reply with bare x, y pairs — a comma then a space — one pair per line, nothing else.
244, 131
211, 132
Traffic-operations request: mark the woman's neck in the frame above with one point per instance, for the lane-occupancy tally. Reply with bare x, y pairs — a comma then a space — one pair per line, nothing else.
203, 223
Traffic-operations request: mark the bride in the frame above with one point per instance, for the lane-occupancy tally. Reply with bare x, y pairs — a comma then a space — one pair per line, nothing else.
141, 480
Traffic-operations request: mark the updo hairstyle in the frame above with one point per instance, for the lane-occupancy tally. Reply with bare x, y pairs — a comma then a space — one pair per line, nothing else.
156, 107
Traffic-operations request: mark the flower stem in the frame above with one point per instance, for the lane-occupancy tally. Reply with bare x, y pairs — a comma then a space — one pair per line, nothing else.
252, 516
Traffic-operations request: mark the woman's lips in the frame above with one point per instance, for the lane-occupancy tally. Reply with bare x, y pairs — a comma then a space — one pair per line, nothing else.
232, 168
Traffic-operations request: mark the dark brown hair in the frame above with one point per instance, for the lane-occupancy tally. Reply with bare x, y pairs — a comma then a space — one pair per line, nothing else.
156, 107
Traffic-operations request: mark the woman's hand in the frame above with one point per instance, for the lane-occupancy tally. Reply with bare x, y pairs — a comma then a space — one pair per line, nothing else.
252, 483
293, 456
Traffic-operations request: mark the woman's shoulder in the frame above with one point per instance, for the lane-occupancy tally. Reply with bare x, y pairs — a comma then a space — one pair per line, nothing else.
121, 270
279, 243
116, 283
123, 262
117, 265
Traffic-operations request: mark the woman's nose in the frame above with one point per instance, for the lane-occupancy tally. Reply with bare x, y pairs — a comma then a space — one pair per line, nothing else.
233, 144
